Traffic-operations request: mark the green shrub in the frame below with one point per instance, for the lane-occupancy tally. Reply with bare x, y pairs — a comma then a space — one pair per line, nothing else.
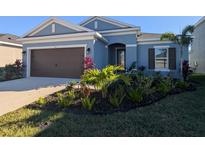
165, 85
66, 100
121, 80
135, 95
125, 78
13, 71
181, 85
42, 101
117, 96
132, 66
91, 77
88, 103
100, 78
85, 90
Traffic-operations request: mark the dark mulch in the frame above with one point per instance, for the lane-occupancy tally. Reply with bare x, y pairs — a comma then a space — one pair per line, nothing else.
102, 105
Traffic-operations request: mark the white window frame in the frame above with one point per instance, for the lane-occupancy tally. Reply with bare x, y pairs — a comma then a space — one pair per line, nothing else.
162, 47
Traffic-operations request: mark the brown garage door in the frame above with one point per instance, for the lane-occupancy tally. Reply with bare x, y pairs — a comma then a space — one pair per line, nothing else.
61, 62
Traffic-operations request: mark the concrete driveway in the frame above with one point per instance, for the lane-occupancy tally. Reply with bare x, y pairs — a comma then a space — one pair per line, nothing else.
18, 93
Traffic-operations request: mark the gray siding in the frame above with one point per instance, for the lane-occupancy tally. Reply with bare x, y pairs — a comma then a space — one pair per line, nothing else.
131, 52
198, 48
59, 29
101, 25
142, 54
100, 54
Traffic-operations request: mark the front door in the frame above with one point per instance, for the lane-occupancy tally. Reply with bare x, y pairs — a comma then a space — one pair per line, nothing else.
120, 56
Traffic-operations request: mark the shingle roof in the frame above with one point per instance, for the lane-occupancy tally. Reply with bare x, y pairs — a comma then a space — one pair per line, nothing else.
9, 38
149, 36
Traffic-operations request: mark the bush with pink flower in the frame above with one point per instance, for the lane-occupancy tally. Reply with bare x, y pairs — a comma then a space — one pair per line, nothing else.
88, 63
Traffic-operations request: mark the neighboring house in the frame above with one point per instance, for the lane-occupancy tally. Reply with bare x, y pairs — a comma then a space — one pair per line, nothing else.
57, 48
197, 53
10, 49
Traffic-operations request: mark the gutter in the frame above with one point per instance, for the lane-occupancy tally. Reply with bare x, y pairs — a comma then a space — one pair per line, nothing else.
11, 44
99, 36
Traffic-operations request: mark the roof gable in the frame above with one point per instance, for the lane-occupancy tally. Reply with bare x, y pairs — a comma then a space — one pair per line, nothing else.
108, 23
46, 28
200, 21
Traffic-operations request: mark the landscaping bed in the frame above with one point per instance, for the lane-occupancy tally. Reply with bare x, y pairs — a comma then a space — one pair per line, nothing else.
100, 94
11, 71
175, 115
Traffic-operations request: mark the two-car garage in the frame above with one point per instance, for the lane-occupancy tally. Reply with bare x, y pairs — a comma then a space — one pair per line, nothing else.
57, 62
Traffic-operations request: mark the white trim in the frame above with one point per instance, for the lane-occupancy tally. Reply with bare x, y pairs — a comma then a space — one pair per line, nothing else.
162, 46
55, 20
154, 42
199, 22
58, 40
53, 28
108, 20
131, 45
11, 44
65, 37
38, 26
150, 39
58, 36
162, 70
119, 30
119, 33
28, 51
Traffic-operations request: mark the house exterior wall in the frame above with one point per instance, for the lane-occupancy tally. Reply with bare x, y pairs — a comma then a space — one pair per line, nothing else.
59, 29
99, 50
142, 54
88, 43
131, 46
197, 53
100, 54
9, 54
101, 25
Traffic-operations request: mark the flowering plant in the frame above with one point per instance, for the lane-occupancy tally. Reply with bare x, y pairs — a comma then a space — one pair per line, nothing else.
88, 63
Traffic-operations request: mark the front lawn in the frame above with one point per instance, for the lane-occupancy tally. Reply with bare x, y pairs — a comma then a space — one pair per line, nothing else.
176, 115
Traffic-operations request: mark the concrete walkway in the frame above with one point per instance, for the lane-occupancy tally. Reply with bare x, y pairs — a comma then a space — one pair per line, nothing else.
18, 93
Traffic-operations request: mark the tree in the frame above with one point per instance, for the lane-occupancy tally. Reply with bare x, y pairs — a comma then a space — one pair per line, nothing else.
184, 39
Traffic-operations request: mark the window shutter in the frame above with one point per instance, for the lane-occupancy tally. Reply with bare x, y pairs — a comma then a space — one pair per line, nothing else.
151, 58
172, 58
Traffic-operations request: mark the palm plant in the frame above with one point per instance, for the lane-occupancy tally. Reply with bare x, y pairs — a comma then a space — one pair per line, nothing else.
183, 40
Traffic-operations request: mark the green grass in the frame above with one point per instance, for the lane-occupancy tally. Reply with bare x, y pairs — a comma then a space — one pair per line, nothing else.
177, 115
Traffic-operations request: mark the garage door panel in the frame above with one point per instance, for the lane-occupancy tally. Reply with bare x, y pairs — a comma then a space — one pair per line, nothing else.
66, 62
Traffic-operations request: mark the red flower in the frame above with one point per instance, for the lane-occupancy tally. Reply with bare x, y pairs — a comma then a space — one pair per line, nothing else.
88, 63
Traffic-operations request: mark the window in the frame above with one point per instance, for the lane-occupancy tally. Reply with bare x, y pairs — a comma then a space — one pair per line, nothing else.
161, 58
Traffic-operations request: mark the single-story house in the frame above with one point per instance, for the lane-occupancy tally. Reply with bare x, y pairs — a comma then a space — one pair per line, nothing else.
197, 53
57, 48
10, 49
